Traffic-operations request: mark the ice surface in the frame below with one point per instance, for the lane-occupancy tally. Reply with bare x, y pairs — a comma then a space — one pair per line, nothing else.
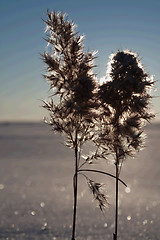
36, 197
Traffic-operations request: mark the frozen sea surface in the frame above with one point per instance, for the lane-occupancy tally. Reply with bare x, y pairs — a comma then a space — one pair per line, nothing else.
36, 196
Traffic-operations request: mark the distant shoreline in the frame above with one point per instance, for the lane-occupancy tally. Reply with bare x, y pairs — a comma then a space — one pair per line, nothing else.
21, 122
153, 124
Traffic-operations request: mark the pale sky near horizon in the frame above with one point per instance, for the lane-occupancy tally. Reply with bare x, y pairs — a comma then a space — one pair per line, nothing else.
108, 25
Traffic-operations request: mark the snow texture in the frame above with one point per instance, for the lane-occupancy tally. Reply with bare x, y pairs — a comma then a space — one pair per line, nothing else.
36, 195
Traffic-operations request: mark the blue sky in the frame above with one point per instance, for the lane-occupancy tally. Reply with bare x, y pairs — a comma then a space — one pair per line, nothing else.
108, 26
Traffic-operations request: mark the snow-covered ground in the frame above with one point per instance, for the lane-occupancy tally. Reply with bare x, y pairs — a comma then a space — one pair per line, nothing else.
36, 196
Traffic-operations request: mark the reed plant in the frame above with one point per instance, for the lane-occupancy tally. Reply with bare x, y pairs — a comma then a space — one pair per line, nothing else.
72, 106
125, 99
111, 116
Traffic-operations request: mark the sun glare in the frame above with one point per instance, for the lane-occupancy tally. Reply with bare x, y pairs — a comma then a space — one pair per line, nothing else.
102, 80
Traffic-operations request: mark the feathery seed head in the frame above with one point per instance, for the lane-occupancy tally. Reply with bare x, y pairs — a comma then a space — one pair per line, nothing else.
69, 73
97, 191
125, 97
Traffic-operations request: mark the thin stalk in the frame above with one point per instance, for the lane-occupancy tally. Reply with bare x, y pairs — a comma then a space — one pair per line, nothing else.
75, 186
117, 190
105, 173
